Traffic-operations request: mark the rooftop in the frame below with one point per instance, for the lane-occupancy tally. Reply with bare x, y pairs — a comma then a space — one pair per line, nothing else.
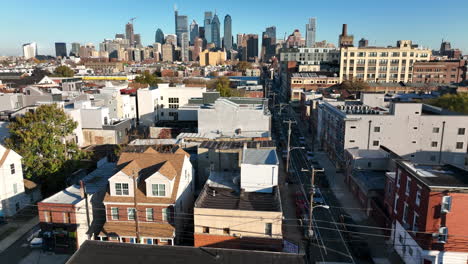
122, 253
237, 144
260, 157
367, 153
369, 180
313, 74
447, 176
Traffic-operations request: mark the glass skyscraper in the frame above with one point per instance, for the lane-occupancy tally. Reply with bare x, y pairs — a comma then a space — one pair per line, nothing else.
227, 32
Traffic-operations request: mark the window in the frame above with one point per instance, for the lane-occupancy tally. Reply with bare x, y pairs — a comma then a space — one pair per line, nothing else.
459, 145
434, 144
446, 204
408, 186
461, 131
395, 205
376, 129
15, 188
47, 217
415, 128
375, 143
121, 189
405, 213
352, 141
115, 213
443, 233
159, 189
131, 213
149, 214
66, 218
173, 102
268, 229
415, 222
410, 250
165, 214
12, 168
206, 230
226, 231
418, 196
398, 178
353, 127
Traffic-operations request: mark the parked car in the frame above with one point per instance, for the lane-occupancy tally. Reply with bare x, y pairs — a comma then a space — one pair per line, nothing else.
36, 242
302, 140
318, 198
310, 155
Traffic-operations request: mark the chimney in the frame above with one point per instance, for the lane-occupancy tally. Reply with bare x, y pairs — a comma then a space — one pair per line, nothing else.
82, 189
258, 145
245, 145
345, 30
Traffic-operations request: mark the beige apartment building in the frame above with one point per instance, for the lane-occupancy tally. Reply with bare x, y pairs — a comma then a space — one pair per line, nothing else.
382, 64
212, 58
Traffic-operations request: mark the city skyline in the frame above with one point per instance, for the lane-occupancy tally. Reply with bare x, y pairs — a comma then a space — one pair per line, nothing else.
427, 28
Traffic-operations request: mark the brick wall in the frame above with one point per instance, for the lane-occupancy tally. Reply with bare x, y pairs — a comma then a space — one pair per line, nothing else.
141, 211
251, 243
56, 213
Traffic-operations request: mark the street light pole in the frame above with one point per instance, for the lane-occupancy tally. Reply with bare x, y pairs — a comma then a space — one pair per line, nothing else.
312, 193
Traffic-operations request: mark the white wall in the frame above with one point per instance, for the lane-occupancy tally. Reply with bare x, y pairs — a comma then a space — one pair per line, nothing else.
147, 104
259, 178
94, 117
8, 197
181, 92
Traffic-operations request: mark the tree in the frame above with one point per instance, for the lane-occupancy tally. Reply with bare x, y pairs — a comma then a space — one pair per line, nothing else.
148, 78
222, 85
63, 71
243, 65
453, 102
38, 137
354, 85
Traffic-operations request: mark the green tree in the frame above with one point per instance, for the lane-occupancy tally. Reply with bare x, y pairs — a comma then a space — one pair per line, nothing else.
39, 138
354, 85
148, 78
222, 85
453, 102
63, 71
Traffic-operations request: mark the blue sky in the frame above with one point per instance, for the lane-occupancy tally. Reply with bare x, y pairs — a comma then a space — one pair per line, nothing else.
426, 22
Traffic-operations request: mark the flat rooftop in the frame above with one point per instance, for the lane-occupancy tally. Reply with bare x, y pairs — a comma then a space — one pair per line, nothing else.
438, 175
369, 180
95, 181
211, 144
368, 153
92, 251
260, 157
229, 199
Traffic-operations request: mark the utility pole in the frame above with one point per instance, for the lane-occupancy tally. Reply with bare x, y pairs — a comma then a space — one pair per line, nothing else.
312, 193
137, 227
290, 122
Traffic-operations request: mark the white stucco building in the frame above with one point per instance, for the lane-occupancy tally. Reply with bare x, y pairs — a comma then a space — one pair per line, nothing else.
259, 170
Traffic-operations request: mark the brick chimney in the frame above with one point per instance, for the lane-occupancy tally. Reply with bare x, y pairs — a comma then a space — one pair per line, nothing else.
345, 30
82, 189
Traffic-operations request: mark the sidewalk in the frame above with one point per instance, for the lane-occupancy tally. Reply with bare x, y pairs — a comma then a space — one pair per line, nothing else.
13, 237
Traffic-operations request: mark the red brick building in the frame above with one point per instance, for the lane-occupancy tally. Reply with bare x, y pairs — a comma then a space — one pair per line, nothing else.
428, 205
448, 71
155, 210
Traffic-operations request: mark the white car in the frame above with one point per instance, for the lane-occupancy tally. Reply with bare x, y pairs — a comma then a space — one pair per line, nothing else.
36, 242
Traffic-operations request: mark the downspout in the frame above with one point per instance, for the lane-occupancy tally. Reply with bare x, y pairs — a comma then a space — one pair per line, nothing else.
368, 134
441, 142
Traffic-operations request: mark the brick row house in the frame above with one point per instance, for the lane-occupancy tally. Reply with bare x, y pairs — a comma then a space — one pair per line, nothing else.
428, 205
149, 199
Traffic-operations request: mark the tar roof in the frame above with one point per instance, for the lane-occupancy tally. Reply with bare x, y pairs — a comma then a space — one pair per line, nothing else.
369, 180
105, 252
260, 157
229, 199
438, 176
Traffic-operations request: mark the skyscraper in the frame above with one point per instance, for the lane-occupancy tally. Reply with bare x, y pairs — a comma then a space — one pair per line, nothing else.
171, 39
30, 50
159, 36
184, 50
311, 28
60, 49
194, 33
137, 40
215, 31
252, 47
268, 43
198, 45
207, 26
75, 49
227, 33
181, 25
129, 33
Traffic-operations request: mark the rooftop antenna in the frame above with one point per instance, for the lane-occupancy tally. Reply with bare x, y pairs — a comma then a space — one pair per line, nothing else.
175, 7
132, 19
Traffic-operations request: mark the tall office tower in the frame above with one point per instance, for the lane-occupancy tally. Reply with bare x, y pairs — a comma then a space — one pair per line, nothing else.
252, 47
344, 39
184, 47
194, 32
60, 49
268, 43
227, 33
311, 29
168, 52
363, 43
75, 49
215, 31
129, 33
119, 36
207, 26
30, 50
171, 39
159, 36
181, 25
197, 48
137, 40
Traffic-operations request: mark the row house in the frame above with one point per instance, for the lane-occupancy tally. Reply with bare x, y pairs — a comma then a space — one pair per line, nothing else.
241, 210
428, 205
149, 198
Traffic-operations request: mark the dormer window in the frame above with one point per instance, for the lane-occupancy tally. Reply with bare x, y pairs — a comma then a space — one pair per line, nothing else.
158, 190
121, 189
